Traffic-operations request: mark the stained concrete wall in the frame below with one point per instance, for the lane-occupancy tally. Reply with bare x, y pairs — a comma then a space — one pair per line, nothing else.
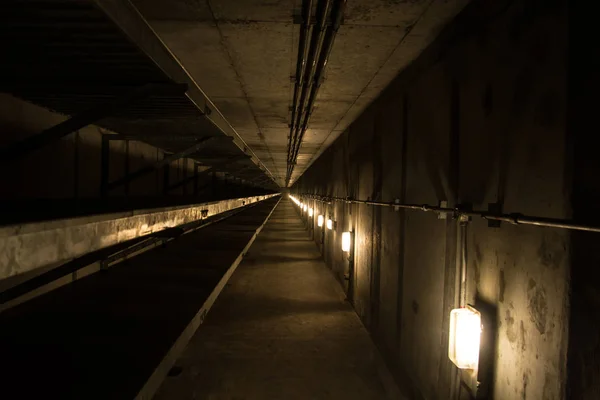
478, 118
71, 167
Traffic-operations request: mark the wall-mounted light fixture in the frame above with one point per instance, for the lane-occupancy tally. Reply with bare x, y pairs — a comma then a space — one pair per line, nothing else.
346, 241
305, 207
310, 212
329, 224
465, 336
348, 248
320, 219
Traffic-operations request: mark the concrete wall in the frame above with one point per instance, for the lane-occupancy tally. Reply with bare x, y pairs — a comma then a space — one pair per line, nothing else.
71, 167
479, 118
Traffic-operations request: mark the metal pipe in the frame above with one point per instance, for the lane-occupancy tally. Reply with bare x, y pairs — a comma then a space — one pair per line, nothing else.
301, 62
514, 219
336, 16
318, 36
463, 222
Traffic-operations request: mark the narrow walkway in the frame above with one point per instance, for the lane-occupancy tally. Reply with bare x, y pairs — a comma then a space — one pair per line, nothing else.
280, 330
102, 336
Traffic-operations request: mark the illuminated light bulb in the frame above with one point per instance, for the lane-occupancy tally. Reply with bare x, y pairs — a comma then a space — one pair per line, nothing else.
310, 212
305, 207
346, 239
329, 224
320, 219
465, 336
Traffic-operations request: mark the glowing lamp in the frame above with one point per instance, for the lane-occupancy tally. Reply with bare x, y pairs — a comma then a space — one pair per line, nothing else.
465, 335
346, 239
320, 221
305, 207
329, 224
310, 212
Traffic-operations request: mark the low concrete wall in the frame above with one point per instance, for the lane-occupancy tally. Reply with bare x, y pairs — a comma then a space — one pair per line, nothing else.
27, 247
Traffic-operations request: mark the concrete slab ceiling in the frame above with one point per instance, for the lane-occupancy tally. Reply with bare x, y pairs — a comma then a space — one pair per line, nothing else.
243, 55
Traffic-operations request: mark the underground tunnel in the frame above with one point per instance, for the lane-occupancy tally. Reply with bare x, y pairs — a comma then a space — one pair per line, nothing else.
298, 199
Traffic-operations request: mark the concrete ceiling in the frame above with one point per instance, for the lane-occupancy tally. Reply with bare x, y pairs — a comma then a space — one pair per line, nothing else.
243, 55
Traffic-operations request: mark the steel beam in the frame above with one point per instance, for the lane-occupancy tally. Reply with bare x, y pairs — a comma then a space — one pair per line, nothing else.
158, 136
164, 162
19, 149
188, 179
124, 14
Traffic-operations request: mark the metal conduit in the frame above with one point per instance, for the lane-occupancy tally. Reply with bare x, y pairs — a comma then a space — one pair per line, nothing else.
305, 29
311, 68
514, 218
318, 33
335, 22
317, 39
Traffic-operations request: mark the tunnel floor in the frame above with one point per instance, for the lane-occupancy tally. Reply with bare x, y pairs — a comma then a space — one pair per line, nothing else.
103, 336
281, 329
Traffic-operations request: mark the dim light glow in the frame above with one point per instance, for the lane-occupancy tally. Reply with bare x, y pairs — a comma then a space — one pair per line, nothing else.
295, 200
329, 224
346, 241
320, 219
310, 212
465, 336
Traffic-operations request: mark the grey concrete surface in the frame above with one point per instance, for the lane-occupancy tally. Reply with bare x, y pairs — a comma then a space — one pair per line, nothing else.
479, 118
25, 247
280, 330
104, 336
252, 46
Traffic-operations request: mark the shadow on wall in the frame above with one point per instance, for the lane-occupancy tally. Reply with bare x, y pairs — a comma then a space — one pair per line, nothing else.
489, 350
64, 178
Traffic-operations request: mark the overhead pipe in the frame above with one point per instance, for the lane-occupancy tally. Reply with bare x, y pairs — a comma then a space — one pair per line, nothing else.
317, 38
337, 15
514, 218
323, 39
301, 63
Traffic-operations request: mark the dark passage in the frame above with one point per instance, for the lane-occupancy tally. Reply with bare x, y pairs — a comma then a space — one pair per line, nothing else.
280, 330
103, 336
437, 165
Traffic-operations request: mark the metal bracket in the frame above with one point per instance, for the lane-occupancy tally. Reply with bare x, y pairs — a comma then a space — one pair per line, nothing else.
494, 208
463, 218
397, 208
443, 204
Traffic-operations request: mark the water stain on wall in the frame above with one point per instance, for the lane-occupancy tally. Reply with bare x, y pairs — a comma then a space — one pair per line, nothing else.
523, 342
551, 252
501, 286
415, 307
511, 332
537, 305
525, 383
